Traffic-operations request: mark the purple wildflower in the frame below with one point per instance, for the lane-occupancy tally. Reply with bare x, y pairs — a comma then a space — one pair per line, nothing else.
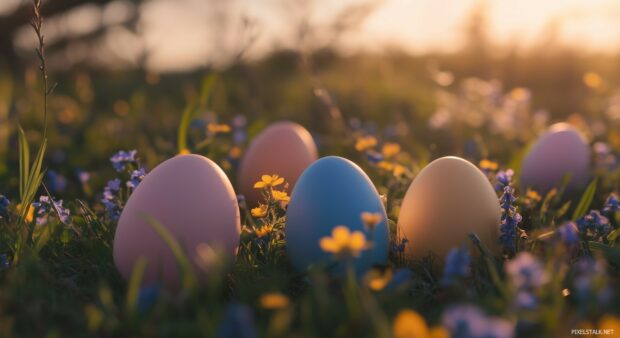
110, 199
136, 177
593, 226
612, 204
526, 272
568, 234
504, 178
47, 206
122, 159
83, 176
527, 275
510, 220
468, 321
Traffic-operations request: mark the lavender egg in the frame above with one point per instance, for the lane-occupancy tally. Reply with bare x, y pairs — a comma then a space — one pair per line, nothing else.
283, 148
193, 199
561, 151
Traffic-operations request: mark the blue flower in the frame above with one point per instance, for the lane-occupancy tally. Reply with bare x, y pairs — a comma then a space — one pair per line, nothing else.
457, 265
374, 156
526, 272
238, 322
136, 177
594, 226
148, 296
510, 219
4, 204
612, 204
122, 159
467, 321
591, 284
568, 234
400, 247
5, 262
55, 181
110, 199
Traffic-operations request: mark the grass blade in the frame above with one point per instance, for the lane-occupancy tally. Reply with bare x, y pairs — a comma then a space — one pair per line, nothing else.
191, 109
586, 200
24, 161
133, 291
187, 273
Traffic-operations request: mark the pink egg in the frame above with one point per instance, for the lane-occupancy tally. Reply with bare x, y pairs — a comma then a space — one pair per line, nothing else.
194, 200
283, 148
560, 151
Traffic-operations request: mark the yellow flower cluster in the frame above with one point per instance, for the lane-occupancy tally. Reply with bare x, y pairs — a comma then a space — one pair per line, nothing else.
365, 142
269, 181
488, 165
344, 244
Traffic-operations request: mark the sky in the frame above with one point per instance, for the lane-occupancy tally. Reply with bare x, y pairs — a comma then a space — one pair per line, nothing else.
416, 26
183, 34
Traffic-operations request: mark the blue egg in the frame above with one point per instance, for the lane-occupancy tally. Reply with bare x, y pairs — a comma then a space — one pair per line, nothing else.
333, 191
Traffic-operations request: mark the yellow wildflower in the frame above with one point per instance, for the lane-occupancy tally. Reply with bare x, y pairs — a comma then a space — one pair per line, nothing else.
398, 170
377, 280
215, 128
29, 214
371, 219
610, 322
343, 243
274, 301
592, 80
264, 230
365, 142
488, 165
280, 196
390, 149
235, 152
260, 211
533, 195
409, 324
268, 181
184, 151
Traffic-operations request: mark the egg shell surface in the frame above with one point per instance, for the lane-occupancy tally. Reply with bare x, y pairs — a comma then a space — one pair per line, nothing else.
193, 199
562, 150
449, 199
333, 191
284, 148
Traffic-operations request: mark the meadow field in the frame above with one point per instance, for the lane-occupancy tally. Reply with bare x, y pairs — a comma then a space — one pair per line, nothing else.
76, 143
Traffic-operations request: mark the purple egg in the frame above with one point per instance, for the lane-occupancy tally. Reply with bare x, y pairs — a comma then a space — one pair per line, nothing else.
561, 151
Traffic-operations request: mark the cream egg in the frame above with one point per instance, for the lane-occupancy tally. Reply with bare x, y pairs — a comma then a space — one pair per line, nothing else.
284, 148
562, 151
194, 200
449, 199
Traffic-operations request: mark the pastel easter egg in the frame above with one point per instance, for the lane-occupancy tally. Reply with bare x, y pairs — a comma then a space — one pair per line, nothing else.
562, 151
449, 199
283, 148
193, 199
333, 191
